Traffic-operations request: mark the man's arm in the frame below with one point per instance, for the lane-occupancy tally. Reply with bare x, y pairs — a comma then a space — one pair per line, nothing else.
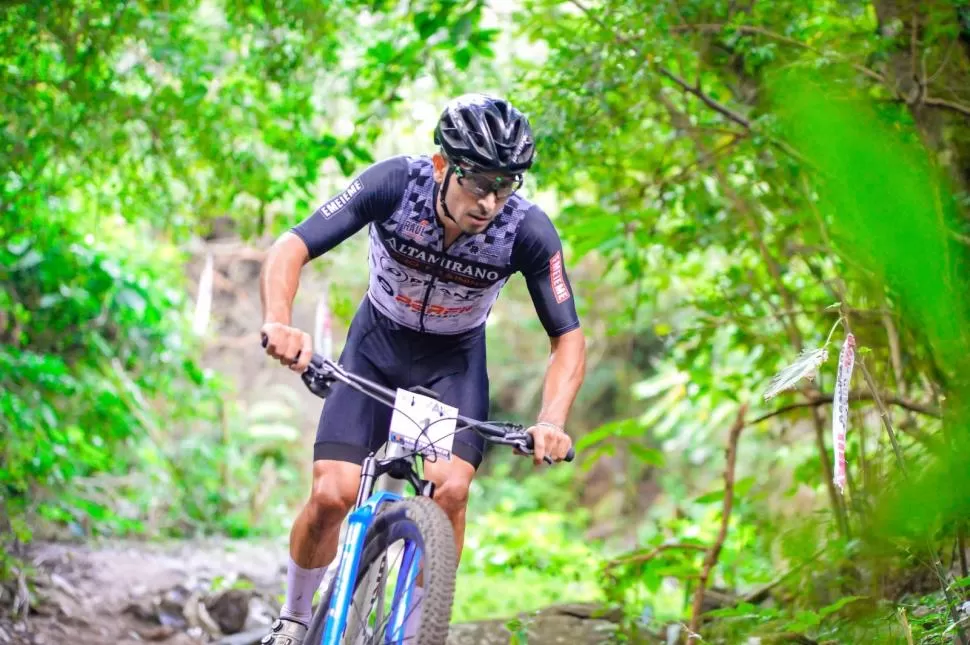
279, 279
370, 197
538, 254
564, 376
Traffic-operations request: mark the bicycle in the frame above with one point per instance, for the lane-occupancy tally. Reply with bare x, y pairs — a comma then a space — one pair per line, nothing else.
380, 519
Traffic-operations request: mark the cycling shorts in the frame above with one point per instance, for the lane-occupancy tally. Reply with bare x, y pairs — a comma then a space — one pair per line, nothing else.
353, 424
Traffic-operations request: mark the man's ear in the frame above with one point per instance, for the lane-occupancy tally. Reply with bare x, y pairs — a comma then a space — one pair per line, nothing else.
440, 166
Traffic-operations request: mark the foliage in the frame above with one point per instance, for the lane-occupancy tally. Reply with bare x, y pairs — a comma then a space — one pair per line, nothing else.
124, 128
520, 538
206, 109
736, 185
743, 221
91, 335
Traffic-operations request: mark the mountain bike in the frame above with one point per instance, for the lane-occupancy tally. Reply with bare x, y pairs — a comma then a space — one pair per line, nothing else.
387, 530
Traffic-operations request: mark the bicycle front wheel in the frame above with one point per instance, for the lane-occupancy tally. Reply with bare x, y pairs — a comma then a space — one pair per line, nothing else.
401, 531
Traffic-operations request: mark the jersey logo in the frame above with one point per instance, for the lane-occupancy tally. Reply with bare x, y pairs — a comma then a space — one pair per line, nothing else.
333, 206
415, 230
556, 278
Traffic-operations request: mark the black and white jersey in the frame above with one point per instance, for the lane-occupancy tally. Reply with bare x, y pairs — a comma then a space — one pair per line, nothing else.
418, 283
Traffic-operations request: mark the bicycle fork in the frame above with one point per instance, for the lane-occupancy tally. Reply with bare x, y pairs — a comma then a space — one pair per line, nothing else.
394, 471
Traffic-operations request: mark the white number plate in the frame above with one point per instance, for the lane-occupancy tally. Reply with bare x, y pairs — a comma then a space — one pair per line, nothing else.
424, 424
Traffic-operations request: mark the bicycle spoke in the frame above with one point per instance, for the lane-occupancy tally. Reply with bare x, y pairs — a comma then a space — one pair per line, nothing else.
372, 632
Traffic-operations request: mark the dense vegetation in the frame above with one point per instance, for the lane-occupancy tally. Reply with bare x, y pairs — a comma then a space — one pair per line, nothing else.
739, 186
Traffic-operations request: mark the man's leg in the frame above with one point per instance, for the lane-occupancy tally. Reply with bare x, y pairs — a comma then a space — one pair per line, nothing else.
313, 538
458, 374
344, 435
452, 479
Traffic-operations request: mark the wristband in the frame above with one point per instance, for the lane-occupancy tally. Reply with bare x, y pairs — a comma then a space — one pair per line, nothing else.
550, 424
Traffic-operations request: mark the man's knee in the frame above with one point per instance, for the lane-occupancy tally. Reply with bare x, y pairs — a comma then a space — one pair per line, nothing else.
452, 495
452, 479
335, 485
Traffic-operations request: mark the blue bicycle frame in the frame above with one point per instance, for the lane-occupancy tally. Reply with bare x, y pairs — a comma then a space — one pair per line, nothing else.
343, 582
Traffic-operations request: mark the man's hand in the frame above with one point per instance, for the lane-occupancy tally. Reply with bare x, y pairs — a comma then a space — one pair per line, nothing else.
549, 439
293, 347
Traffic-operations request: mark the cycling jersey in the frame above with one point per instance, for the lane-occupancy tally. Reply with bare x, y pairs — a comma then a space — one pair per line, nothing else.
416, 282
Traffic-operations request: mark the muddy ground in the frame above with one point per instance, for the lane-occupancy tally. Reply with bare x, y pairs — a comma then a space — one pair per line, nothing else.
189, 593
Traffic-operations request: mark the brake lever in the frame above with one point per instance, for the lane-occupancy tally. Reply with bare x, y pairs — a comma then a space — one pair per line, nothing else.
521, 444
316, 383
313, 377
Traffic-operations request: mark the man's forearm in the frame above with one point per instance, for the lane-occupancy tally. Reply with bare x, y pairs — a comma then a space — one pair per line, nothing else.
564, 376
280, 278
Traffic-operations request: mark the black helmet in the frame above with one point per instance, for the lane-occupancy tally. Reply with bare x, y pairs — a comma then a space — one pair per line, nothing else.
485, 132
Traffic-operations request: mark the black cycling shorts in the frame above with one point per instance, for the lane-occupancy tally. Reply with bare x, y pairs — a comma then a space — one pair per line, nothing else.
352, 424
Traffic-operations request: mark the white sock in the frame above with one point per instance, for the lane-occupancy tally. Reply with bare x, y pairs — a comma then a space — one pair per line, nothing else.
301, 584
413, 620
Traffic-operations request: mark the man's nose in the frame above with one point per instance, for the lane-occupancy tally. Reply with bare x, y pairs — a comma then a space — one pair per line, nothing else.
488, 202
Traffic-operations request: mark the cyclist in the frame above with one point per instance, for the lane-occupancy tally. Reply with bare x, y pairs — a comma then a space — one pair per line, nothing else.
445, 234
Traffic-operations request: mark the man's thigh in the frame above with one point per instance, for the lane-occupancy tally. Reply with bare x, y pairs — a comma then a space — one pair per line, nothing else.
462, 382
351, 423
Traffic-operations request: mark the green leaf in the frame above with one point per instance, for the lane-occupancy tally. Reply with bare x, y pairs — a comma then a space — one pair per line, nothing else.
709, 498
650, 456
839, 604
463, 58
622, 427
804, 620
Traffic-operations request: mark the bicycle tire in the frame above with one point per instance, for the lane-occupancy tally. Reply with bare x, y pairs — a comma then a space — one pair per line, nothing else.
423, 516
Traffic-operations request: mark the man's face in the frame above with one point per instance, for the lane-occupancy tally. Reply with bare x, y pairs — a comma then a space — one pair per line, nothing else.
474, 198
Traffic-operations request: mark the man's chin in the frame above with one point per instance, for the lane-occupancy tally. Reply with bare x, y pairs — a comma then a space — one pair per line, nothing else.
472, 225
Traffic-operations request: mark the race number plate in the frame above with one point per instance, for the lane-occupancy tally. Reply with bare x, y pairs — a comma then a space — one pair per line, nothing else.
423, 424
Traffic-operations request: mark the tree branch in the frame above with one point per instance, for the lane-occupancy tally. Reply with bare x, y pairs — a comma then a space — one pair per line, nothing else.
691, 89
836, 500
761, 594
646, 556
884, 415
942, 104
750, 29
825, 399
708, 101
712, 555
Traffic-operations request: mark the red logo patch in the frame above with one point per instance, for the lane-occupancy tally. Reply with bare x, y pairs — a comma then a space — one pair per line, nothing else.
556, 278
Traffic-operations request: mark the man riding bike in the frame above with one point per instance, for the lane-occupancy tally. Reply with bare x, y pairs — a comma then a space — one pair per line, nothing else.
445, 234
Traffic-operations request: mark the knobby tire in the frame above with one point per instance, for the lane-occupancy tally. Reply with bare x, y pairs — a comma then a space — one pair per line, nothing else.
419, 516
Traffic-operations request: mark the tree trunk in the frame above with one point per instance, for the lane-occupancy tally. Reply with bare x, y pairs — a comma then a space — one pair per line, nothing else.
929, 67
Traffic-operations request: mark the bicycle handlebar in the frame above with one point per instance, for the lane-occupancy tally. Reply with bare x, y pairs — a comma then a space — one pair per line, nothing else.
322, 372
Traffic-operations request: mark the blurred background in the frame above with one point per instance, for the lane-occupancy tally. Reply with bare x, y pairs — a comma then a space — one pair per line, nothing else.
739, 186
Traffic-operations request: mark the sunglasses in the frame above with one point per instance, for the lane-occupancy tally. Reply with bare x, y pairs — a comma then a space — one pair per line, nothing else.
481, 185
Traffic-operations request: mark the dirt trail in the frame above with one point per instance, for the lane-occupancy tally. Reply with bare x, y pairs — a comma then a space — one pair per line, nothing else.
206, 591
132, 592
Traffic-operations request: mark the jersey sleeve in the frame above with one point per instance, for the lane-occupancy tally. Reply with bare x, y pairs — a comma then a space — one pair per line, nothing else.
371, 196
537, 254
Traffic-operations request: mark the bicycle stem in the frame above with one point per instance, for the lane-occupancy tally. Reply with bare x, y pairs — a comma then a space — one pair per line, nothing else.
398, 464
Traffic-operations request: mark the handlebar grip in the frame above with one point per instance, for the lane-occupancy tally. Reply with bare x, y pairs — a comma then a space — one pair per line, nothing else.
529, 443
316, 360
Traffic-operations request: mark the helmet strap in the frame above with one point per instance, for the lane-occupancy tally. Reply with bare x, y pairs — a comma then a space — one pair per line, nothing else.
444, 191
